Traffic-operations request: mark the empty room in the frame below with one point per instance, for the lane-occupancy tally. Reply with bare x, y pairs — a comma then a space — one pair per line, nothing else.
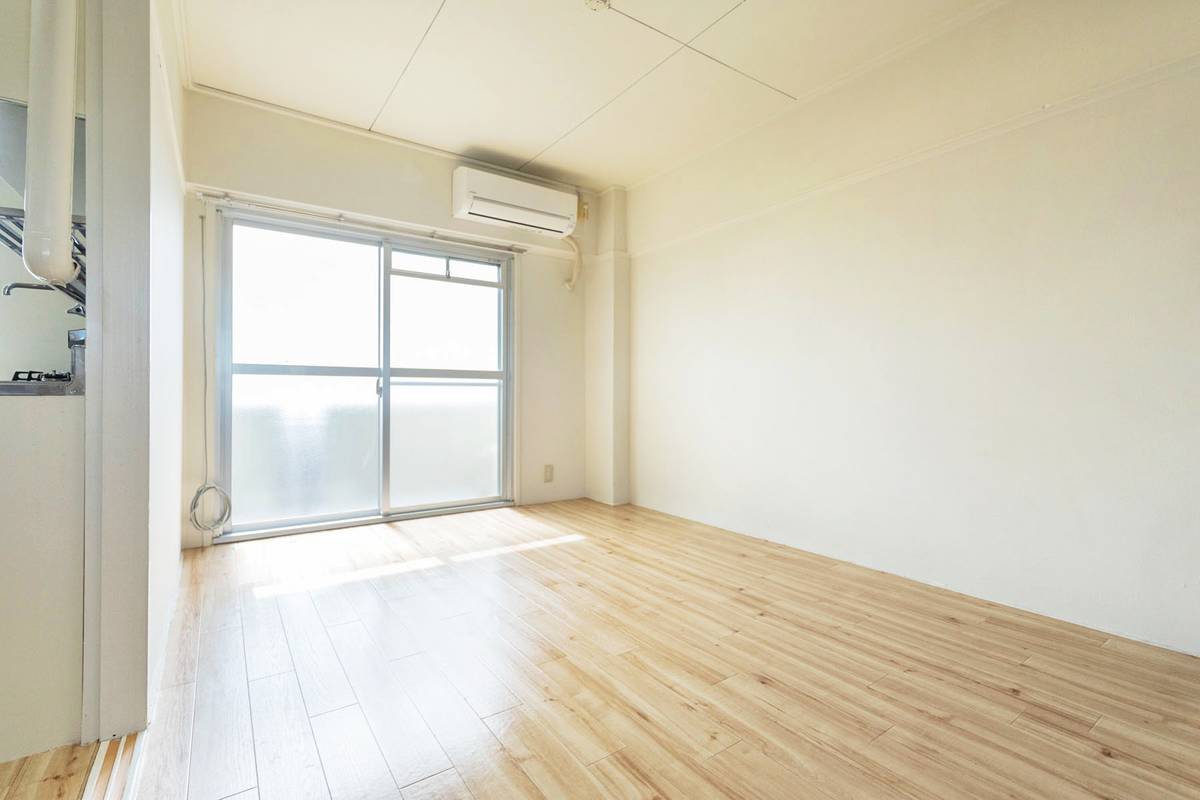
599, 399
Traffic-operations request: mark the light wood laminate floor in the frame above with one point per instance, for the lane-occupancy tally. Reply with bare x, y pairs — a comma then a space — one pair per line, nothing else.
59, 773
573, 650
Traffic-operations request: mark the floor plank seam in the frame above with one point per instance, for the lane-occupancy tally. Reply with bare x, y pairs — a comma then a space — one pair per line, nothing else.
881, 733
191, 737
304, 702
249, 704
410, 784
374, 735
273, 675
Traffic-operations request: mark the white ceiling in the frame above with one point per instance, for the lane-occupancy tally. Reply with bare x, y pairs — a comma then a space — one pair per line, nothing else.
680, 19
14, 53
552, 87
498, 84
802, 46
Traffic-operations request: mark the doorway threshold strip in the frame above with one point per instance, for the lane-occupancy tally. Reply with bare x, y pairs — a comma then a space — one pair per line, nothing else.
113, 775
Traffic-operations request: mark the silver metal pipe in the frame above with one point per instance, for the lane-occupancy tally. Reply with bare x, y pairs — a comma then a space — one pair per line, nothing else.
41, 287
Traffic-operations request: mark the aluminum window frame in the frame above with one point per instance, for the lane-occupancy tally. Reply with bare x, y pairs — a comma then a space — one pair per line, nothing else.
383, 372
503, 375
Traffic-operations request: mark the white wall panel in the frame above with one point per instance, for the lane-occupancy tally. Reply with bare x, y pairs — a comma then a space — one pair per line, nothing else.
978, 371
41, 572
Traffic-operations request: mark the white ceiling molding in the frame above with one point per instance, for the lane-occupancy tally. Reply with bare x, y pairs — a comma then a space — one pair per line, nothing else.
552, 87
335, 60
382, 137
181, 35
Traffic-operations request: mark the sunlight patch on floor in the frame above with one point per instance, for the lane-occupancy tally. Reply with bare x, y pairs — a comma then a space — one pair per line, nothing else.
401, 567
516, 548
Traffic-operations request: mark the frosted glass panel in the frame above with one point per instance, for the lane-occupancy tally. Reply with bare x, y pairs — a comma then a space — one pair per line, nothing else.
303, 446
301, 299
438, 325
445, 441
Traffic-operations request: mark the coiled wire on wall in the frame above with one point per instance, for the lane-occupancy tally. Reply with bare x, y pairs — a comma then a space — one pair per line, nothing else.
225, 505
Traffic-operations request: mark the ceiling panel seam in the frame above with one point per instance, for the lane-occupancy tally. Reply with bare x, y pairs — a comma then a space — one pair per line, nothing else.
698, 33
645, 24
604, 105
714, 59
759, 81
954, 23
615, 97
407, 64
947, 26
682, 46
704, 30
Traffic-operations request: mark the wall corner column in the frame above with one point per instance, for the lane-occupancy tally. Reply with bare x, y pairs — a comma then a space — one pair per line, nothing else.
606, 350
117, 450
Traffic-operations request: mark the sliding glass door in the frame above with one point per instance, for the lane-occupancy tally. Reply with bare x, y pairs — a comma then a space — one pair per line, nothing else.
305, 357
363, 377
445, 396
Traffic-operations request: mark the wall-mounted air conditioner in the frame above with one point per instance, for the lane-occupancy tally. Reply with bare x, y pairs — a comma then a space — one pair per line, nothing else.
501, 200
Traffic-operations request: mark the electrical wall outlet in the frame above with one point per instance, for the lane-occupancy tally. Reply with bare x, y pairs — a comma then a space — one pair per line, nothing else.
548, 473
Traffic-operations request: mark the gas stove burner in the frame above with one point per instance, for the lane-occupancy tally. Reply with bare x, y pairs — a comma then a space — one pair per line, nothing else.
37, 376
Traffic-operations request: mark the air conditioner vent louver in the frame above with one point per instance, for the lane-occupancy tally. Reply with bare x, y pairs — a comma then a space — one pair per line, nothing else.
501, 200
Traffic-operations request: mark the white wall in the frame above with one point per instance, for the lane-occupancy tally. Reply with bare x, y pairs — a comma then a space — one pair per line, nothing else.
41, 528
41, 572
166, 341
117, 447
131, 535
942, 322
33, 325
605, 282
258, 152
255, 150
550, 409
